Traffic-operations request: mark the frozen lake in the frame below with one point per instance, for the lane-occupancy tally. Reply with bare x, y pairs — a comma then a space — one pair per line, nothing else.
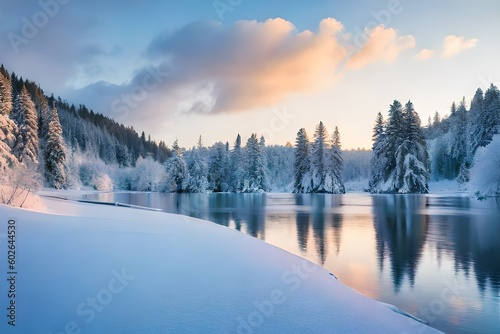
435, 256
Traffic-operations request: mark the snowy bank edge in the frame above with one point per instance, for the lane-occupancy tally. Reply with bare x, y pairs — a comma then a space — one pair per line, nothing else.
54, 208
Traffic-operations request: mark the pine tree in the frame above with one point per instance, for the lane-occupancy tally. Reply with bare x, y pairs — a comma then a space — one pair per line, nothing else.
413, 130
44, 115
379, 159
474, 120
256, 178
237, 171
459, 144
488, 119
55, 157
218, 168
25, 116
178, 176
400, 161
337, 167
319, 148
395, 133
453, 109
8, 129
411, 173
198, 170
302, 164
5, 94
200, 143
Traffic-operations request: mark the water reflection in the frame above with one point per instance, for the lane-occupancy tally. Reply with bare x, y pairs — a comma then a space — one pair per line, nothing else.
401, 230
302, 218
400, 249
473, 240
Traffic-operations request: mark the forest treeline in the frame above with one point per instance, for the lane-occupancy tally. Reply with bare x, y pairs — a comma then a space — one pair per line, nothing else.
73, 147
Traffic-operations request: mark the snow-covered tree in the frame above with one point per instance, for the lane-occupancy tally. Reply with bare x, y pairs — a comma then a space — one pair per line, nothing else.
379, 159
218, 168
280, 168
395, 130
8, 129
198, 170
54, 152
148, 175
412, 158
255, 178
474, 132
5, 94
302, 164
337, 164
19, 182
318, 158
400, 159
44, 115
489, 117
25, 116
459, 143
237, 169
326, 163
177, 173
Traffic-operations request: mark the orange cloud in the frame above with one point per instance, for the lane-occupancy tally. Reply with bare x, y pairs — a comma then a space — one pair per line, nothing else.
452, 45
425, 54
383, 44
249, 64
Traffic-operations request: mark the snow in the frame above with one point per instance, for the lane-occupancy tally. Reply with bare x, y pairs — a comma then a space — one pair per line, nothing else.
26, 200
104, 269
359, 185
444, 186
485, 174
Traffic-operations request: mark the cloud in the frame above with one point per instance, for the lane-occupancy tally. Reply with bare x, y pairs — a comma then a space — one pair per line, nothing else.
383, 44
250, 64
425, 54
208, 67
452, 45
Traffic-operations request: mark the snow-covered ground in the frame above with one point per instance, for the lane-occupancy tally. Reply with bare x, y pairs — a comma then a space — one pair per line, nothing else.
85, 268
444, 186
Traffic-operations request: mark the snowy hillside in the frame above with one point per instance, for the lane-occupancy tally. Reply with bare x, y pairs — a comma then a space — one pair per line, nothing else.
485, 174
166, 273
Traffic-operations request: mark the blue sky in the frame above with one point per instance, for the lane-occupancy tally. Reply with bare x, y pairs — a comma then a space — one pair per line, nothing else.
180, 69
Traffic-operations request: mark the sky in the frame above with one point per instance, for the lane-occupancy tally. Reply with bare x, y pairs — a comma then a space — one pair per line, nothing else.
184, 69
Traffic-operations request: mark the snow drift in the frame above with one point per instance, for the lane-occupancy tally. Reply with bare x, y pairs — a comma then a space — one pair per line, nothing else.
105, 269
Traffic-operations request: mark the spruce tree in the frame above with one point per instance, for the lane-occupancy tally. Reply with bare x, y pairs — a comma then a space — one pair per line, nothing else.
474, 133
256, 178
218, 168
319, 148
411, 171
5, 94
8, 129
337, 164
178, 176
302, 163
55, 157
379, 159
395, 132
489, 116
198, 170
459, 143
237, 171
25, 116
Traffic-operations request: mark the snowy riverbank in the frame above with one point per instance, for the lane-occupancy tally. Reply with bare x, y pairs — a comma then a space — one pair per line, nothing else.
105, 269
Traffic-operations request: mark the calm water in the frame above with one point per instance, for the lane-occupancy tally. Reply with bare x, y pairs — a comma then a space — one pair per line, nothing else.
435, 256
